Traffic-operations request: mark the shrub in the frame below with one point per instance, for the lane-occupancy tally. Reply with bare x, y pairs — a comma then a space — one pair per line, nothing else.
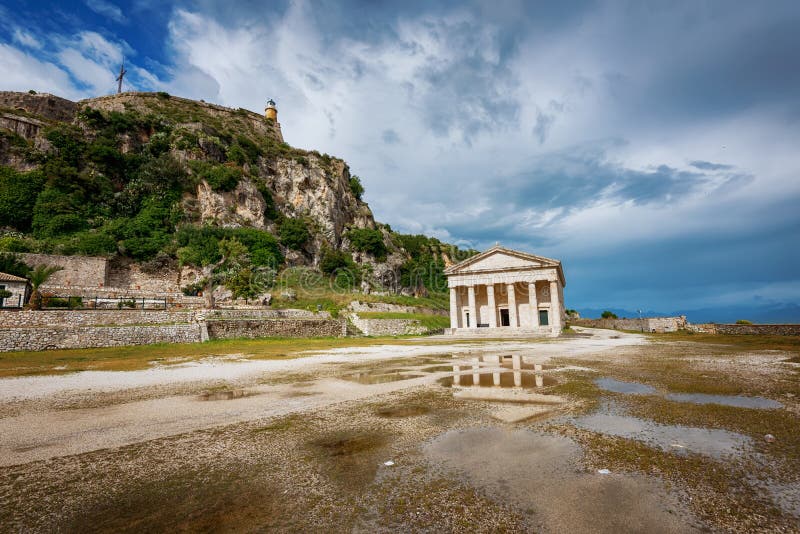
261, 246
743, 321
163, 94
608, 315
368, 240
356, 187
334, 260
219, 177
294, 233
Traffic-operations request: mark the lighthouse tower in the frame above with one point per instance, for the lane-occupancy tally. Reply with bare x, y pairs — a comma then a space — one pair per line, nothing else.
271, 112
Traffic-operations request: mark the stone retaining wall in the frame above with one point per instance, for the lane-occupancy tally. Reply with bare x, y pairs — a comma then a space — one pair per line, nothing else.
43, 338
50, 318
358, 306
747, 329
645, 324
261, 313
277, 328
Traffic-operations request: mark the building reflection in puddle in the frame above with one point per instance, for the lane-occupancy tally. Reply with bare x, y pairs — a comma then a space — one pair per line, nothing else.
488, 372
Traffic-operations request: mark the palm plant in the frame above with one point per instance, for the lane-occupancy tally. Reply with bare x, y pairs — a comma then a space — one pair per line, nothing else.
38, 277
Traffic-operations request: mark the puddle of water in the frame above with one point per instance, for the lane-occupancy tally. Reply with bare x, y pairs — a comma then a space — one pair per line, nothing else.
631, 388
674, 438
379, 377
223, 395
738, 401
541, 474
505, 379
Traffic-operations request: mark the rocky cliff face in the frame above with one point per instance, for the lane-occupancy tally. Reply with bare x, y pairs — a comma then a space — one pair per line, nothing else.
277, 181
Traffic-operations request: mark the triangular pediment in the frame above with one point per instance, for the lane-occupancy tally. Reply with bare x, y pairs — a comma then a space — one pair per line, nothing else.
498, 258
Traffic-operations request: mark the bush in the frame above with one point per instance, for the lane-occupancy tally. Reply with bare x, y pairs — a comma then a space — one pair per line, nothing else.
294, 233
608, 315
219, 177
93, 244
334, 260
368, 240
743, 321
356, 187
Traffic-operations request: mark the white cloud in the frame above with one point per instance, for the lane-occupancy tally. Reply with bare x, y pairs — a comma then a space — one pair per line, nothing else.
107, 9
26, 39
22, 72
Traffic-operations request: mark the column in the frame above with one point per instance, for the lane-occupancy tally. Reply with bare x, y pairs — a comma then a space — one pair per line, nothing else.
492, 306
533, 304
555, 307
512, 307
473, 310
454, 307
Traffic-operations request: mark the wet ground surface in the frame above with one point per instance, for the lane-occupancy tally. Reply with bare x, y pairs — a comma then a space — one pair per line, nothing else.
602, 432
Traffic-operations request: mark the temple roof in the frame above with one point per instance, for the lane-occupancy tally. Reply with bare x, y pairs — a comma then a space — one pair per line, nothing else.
513, 260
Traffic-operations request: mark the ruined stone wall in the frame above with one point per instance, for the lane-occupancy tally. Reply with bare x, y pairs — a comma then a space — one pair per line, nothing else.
78, 271
277, 328
23, 126
42, 104
72, 337
388, 327
747, 329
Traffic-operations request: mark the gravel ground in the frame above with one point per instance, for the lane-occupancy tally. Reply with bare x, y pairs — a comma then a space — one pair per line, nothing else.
303, 444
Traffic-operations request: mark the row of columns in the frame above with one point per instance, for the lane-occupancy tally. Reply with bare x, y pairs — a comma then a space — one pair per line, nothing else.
555, 306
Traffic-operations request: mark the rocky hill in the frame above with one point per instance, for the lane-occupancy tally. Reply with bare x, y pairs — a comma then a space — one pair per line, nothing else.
159, 180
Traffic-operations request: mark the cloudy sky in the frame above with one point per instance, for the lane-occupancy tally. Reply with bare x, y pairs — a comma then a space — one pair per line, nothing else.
651, 146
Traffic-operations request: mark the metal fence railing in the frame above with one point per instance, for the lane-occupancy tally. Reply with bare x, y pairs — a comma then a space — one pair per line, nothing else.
104, 303
12, 302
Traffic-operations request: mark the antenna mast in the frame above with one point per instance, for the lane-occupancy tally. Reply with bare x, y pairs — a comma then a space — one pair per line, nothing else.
122, 73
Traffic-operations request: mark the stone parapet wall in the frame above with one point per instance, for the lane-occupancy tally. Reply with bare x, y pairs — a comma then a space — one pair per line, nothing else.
64, 337
42, 104
388, 327
277, 328
746, 329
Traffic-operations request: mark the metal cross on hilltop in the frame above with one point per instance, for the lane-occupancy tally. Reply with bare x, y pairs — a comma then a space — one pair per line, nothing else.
122, 73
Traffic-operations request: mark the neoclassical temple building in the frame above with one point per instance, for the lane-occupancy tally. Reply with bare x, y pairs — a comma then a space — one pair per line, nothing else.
504, 290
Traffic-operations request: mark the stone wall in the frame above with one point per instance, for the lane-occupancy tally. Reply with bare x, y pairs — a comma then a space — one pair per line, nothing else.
22, 126
78, 271
747, 329
64, 337
388, 327
645, 324
256, 314
358, 306
42, 104
277, 328
52, 318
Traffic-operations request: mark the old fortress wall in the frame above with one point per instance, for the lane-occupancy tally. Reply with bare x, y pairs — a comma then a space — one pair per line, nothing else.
64, 329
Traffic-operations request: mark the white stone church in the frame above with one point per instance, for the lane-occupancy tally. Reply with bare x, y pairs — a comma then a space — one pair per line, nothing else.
505, 291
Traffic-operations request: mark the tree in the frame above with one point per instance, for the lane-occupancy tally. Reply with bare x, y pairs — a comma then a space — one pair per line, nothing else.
294, 233
12, 264
608, 315
40, 275
230, 258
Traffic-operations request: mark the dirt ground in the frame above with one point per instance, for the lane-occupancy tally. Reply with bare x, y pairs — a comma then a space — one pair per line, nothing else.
598, 431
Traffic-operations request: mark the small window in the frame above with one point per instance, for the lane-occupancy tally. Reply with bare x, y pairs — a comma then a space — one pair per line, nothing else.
467, 316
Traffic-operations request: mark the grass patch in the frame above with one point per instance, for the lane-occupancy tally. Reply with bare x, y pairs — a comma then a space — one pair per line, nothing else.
740, 342
132, 358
